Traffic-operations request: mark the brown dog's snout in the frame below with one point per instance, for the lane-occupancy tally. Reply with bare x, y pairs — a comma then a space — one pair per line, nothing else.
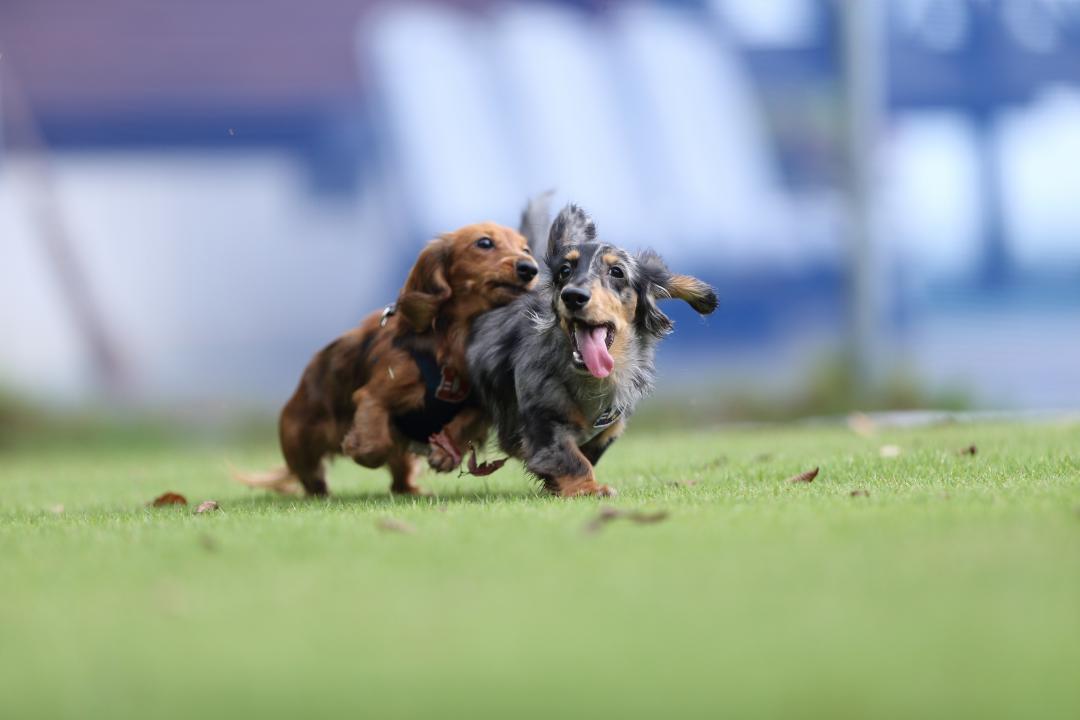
526, 270
575, 298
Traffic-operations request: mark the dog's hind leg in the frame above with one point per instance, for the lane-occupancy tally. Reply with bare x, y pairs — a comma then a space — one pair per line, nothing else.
368, 441
404, 469
303, 452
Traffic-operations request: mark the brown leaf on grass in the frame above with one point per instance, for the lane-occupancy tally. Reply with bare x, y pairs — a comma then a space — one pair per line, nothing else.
208, 506
804, 477
969, 450
484, 468
608, 514
394, 525
860, 493
169, 498
647, 518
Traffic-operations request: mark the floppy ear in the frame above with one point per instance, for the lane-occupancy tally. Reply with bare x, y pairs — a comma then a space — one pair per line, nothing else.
426, 289
571, 226
535, 219
657, 282
693, 292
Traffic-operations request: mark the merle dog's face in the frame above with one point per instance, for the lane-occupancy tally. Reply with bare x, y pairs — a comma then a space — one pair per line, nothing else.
596, 300
605, 298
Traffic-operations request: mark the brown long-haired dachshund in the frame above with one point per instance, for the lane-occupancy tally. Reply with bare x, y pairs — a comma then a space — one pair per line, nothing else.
385, 389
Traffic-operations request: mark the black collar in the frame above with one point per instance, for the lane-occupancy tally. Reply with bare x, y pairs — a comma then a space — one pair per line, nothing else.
607, 418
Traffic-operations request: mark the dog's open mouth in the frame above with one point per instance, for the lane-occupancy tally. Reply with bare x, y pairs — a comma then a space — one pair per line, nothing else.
590, 344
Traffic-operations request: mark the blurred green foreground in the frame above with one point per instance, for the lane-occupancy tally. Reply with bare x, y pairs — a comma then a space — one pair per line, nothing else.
950, 588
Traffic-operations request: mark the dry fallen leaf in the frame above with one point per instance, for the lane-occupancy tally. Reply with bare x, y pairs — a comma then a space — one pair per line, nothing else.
860, 493
969, 450
608, 513
647, 518
207, 506
484, 468
806, 477
169, 498
890, 451
394, 525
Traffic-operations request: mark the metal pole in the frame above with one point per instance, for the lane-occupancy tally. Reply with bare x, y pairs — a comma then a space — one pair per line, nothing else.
72, 277
862, 61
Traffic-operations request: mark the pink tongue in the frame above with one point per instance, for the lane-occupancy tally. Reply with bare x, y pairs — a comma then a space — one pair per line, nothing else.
593, 348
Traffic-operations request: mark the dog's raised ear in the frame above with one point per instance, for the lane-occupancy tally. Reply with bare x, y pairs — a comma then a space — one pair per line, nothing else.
426, 288
535, 220
573, 225
657, 283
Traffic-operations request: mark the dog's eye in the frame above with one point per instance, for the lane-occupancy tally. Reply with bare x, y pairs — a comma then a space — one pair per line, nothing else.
616, 272
485, 243
564, 271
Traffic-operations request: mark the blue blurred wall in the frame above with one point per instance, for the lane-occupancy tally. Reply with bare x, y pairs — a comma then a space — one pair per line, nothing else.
242, 181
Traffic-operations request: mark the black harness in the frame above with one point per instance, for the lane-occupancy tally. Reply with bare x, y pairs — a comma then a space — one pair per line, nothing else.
446, 393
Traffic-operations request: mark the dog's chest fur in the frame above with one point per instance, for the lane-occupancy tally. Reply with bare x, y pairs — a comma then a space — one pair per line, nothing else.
520, 363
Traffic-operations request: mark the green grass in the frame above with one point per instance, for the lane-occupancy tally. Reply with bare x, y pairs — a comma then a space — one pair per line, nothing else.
952, 590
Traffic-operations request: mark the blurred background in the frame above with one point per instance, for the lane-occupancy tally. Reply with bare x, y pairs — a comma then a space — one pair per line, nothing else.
196, 196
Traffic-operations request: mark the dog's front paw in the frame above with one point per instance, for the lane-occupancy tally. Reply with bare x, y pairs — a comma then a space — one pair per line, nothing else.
443, 455
580, 489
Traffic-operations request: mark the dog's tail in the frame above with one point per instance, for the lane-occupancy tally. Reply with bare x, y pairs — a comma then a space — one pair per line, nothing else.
536, 220
279, 480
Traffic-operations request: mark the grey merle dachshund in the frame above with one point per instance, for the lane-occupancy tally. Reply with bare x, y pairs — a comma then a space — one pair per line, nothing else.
561, 369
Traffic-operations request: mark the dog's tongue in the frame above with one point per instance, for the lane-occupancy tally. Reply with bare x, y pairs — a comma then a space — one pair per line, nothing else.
592, 345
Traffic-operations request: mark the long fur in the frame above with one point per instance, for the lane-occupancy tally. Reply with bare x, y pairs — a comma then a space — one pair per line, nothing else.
545, 408
364, 395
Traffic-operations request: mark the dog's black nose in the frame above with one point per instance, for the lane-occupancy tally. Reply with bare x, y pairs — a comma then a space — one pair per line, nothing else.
575, 298
526, 270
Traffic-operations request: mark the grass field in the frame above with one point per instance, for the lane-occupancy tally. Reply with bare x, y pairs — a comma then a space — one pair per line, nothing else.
951, 590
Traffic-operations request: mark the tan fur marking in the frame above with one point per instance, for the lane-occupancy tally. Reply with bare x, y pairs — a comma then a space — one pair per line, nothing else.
684, 287
610, 433
573, 255
580, 486
605, 305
